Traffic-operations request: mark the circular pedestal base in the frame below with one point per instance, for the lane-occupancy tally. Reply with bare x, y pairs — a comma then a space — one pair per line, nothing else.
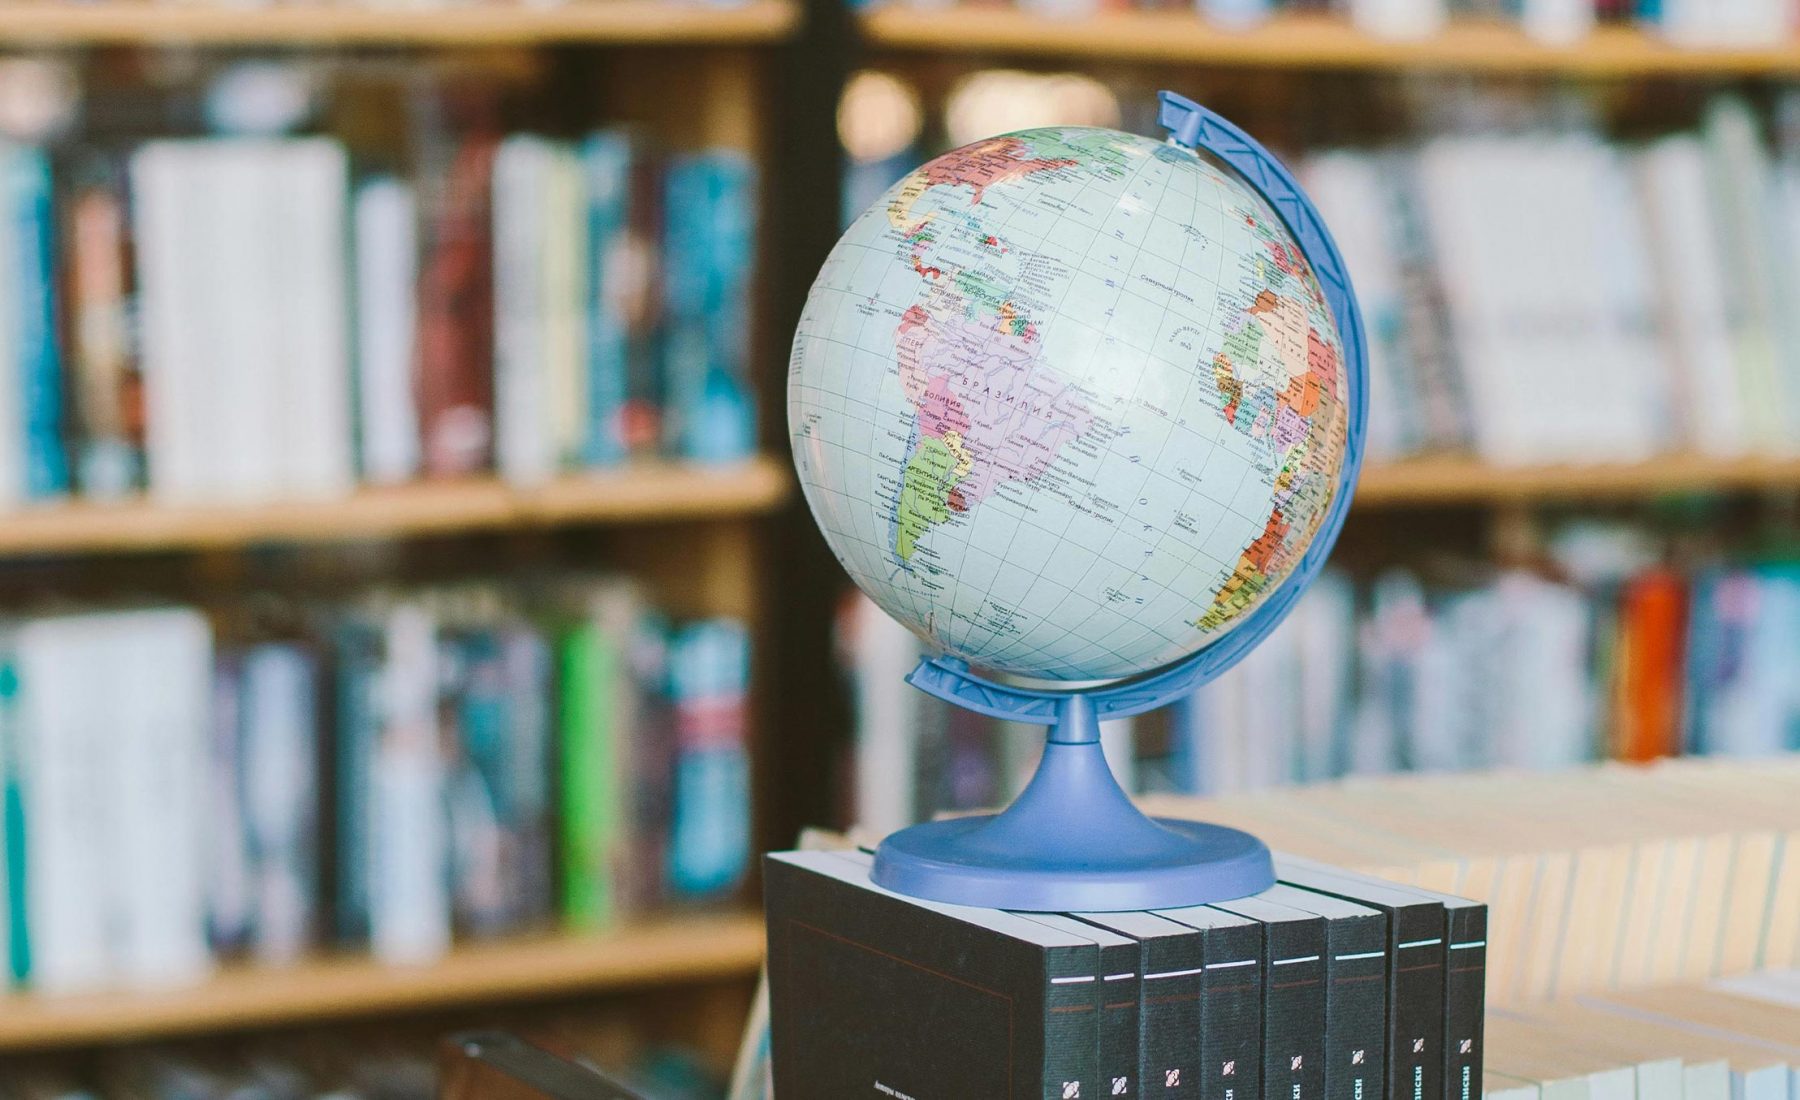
1185, 863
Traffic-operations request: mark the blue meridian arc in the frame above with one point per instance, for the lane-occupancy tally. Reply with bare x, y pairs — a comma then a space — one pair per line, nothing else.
1073, 841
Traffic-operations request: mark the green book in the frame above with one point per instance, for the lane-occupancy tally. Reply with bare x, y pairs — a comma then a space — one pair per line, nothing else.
595, 709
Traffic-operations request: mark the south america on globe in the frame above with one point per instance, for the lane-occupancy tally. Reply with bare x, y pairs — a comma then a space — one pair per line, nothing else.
1069, 403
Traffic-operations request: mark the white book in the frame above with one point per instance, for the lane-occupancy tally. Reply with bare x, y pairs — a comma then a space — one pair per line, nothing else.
409, 887
387, 280
1689, 267
524, 443
64, 745
161, 665
1399, 19
237, 263
1726, 22
1739, 178
171, 316
1557, 22
1353, 194
880, 652
1232, 14
280, 793
1786, 202
566, 292
308, 187
1324, 627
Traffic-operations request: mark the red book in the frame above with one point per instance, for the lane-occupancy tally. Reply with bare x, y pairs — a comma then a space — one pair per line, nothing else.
454, 371
1647, 690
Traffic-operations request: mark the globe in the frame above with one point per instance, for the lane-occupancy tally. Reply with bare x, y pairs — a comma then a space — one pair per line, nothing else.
1069, 403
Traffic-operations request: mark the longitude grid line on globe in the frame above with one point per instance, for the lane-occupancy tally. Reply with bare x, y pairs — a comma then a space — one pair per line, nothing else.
1222, 507
1033, 490
1098, 234
857, 346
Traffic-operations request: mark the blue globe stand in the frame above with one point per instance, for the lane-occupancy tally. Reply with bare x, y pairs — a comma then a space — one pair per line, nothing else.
1073, 841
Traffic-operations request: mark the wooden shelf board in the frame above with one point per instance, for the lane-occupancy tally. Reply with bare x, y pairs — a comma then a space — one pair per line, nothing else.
643, 493
626, 22
1306, 42
680, 949
1428, 481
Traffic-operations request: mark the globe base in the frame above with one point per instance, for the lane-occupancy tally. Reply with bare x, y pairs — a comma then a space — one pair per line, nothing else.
1073, 842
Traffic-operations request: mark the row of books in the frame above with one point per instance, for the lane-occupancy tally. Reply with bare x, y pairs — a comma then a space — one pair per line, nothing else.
392, 774
1330, 983
1738, 1038
1559, 22
252, 318
1607, 878
1549, 297
1520, 671
1517, 670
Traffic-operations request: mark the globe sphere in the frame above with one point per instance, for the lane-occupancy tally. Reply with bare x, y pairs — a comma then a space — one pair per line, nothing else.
1069, 403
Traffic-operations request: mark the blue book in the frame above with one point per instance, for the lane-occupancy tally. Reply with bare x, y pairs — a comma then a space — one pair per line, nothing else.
359, 661
709, 842
25, 177
606, 159
708, 248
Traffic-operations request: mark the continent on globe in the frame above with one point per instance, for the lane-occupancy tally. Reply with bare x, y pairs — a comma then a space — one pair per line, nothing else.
1069, 402
988, 412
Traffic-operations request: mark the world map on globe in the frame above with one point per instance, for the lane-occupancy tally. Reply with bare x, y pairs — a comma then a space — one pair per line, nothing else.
1069, 403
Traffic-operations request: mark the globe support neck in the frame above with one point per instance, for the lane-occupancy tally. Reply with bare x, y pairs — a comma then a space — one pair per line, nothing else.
1073, 842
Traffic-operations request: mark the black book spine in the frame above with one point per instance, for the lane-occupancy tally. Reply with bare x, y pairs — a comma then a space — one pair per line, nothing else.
1415, 1064
1119, 1033
1465, 999
1294, 1011
1174, 967
1231, 1014
1072, 1023
1356, 1008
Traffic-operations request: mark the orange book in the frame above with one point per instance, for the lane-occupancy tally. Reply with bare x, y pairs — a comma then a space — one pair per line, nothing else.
1647, 687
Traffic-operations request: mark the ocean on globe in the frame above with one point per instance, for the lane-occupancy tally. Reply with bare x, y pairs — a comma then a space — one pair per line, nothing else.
1069, 403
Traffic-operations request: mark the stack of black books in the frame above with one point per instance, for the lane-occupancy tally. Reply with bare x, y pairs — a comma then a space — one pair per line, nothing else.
1329, 986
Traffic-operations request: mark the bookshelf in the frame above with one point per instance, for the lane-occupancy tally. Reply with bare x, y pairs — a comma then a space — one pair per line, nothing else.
702, 539
1457, 480
1306, 42
595, 22
641, 494
696, 948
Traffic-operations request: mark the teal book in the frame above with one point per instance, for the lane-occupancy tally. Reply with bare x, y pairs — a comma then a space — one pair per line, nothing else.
25, 175
357, 696
17, 940
615, 278
709, 842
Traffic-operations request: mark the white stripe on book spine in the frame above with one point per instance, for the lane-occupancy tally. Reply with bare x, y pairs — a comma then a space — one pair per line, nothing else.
1471, 943
1173, 974
1422, 943
1363, 955
1120, 977
1071, 981
1301, 959
1228, 966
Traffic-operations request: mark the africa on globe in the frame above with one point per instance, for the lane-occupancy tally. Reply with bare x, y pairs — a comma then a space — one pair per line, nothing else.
1070, 403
